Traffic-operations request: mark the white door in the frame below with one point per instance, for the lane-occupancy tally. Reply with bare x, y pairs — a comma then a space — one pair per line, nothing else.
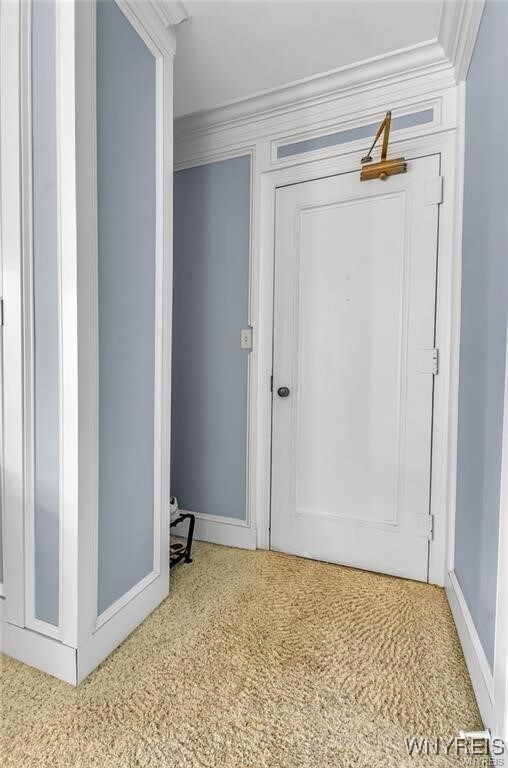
354, 316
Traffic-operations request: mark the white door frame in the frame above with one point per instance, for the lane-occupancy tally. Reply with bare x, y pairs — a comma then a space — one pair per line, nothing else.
447, 334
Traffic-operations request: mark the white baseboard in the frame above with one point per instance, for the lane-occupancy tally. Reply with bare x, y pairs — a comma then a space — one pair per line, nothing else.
220, 530
62, 661
38, 651
477, 664
112, 633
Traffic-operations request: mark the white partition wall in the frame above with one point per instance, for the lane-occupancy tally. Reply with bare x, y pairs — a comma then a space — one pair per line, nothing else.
93, 137
124, 369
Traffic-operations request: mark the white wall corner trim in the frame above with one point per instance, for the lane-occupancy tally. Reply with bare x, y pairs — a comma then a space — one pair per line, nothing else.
220, 530
110, 634
38, 651
122, 601
477, 664
68, 341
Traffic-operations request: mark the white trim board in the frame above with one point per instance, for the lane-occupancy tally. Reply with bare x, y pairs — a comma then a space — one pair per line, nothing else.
477, 664
456, 244
38, 651
31, 621
122, 601
109, 635
11, 247
68, 319
219, 530
321, 115
500, 724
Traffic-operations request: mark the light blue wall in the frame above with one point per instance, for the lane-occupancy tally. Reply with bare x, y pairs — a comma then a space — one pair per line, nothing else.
209, 383
45, 309
126, 105
483, 322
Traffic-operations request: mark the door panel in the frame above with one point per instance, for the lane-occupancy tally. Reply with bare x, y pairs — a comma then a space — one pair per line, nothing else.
355, 278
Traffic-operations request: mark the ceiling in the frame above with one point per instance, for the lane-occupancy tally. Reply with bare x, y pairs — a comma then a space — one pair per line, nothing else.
228, 51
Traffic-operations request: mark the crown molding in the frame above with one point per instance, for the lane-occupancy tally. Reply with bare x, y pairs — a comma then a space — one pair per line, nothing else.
396, 67
170, 12
446, 57
458, 29
158, 18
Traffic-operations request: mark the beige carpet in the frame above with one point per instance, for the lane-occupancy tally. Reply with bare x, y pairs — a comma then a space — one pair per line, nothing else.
256, 659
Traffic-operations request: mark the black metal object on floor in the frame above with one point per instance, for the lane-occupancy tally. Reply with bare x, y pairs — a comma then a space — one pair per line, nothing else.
183, 552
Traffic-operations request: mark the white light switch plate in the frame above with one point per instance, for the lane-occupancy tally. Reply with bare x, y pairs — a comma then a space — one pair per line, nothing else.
246, 338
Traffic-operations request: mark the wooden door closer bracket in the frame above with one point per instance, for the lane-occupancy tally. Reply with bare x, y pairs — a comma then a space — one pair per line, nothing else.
385, 167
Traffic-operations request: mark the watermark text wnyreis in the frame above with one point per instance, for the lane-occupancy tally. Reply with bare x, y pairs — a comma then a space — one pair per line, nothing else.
475, 744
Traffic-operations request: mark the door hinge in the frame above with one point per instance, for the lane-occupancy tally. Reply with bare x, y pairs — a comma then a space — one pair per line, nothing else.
271, 383
425, 526
433, 191
1, 313
429, 361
